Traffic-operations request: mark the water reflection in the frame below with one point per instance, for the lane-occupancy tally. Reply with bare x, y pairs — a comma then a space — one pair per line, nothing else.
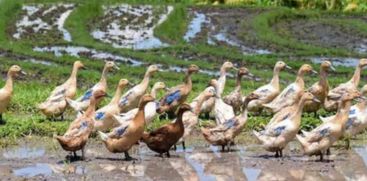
33, 170
24, 152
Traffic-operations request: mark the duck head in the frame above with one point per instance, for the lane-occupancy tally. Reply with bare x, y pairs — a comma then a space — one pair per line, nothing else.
326, 65
193, 69
79, 65
308, 96
15, 71
159, 86
251, 97
144, 100
280, 65
99, 94
109, 65
123, 83
306, 68
152, 69
183, 108
213, 83
209, 92
349, 96
362, 62
227, 65
243, 71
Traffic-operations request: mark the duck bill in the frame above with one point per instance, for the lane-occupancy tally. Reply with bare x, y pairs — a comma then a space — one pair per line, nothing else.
166, 89
235, 68
131, 84
288, 67
360, 99
23, 73
332, 68
116, 67
314, 72
316, 100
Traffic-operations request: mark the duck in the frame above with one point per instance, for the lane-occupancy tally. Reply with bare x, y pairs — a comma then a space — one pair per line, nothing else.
225, 133
190, 118
292, 92
162, 139
319, 89
77, 135
104, 116
319, 140
6, 92
222, 111
178, 94
150, 108
276, 137
130, 99
83, 102
208, 105
55, 105
234, 98
331, 104
122, 138
267, 92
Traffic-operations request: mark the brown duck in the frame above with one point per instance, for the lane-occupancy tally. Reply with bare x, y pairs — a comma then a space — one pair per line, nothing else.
80, 129
163, 138
177, 95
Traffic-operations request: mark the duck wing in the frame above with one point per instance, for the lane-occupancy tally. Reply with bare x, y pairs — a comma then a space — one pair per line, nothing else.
319, 133
263, 91
119, 131
171, 97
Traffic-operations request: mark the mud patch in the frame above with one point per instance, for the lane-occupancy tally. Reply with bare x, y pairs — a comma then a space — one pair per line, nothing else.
8, 54
131, 26
43, 19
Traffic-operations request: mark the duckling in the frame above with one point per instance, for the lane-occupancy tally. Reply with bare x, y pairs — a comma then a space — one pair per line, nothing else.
269, 91
55, 105
234, 98
352, 85
163, 138
177, 95
150, 108
83, 102
104, 116
122, 138
276, 137
6, 92
291, 93
130, 99
225, 133
190, 118
320, 89
319, 140
80, 129
208, 105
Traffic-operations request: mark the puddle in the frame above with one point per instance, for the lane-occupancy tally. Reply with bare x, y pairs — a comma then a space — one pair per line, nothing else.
129, 26
42, 19
199, 169
24, 152
34, 170
362, 152
195, 26
24, 58
251, 173
362, 48
346, 62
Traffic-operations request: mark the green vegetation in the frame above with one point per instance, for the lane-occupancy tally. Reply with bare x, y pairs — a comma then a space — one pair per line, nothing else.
23, 118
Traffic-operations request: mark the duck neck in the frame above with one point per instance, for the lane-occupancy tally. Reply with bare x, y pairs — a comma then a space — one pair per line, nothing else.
104, 75
117, 95
221, 80
323, 77
187, 80
299, 110
244, 107
362, 105
179, 118
145, 82
356, 76
140, 116
91, 108
9, 82
238, 83
199, 103
74, 74
275, 80
343, 112
299, 79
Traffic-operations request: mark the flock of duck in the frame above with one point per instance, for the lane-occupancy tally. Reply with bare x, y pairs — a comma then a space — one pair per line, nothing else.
127, 115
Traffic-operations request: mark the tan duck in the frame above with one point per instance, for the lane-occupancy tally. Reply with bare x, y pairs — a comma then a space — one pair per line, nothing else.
234, 98
269, 91
320, 89
83, 102
130, 99
320, 139
177, 95
122, 138
150, 108
276, 137
6, 92
224, 134
292, 92
191, 117
162, 139
55, 105
104, 116
78, 133
208, 105
352, 85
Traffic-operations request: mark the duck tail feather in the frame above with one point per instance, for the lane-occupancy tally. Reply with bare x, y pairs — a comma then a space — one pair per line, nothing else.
103, 136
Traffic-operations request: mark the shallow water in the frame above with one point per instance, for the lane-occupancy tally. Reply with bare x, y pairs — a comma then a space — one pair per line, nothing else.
195, 26
33, 170
24, 152
337, 61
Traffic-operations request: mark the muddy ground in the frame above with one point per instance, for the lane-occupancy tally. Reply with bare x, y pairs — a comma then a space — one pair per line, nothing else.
37, 158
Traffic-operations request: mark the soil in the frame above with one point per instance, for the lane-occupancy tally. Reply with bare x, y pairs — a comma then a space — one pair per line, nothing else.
38, 158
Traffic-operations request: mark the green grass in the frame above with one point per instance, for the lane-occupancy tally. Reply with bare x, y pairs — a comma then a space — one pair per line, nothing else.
24, 119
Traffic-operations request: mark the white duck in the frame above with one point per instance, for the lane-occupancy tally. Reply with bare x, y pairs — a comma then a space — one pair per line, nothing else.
222, 111
130, 99
291, 93
83, 102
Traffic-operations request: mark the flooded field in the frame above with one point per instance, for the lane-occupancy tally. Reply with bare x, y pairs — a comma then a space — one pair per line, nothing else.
42, 158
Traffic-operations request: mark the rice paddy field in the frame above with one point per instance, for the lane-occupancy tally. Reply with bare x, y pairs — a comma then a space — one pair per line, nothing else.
45, 37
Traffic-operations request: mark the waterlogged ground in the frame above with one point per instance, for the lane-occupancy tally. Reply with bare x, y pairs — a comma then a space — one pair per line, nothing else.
37, 158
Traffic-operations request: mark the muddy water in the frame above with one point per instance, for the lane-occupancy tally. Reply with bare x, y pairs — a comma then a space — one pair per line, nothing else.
25, 58
43, 158
337, 61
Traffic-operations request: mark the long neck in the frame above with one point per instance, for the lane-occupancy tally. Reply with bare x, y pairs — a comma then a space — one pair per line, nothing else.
73, 74
197, 108
323, 77
187, 80
140, 116
275, 80
244, 108
343, 112
146, 79
222, 81
104, 75
299, 79
238, 83
299, 110
356, 76
117, 95
179, 118
91, 108
9, 83
153, 93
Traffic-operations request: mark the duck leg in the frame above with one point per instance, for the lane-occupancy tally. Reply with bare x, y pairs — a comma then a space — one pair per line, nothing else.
62, 117
281, 153
128, 157
83, 153
321, 157
315, 114
276, 154
174, 147
223, 147
328, 151
74, 154
2, 121
183, 145
347, 141
168, 155
229, 146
